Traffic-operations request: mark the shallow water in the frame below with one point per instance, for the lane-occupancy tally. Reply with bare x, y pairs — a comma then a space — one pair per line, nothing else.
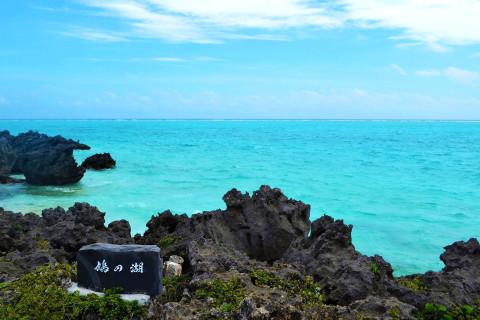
408, 187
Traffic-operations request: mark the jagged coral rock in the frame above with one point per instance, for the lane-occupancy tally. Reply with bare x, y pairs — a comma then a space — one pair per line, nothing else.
43, 160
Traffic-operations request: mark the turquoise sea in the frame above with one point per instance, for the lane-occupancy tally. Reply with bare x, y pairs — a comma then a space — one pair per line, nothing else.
408, 187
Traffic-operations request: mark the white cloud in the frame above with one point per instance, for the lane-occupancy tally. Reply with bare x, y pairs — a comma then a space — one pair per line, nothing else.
433, 22
457, 74
168, 59
264, 14
436, 23
211, 21
398, 69
94, 35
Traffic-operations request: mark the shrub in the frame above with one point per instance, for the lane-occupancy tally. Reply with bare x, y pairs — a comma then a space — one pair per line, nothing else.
415, 283
374, 268
433, 311
395, 313
173, 288
42, 244
167, 241
41, 295
226, 295
307, 289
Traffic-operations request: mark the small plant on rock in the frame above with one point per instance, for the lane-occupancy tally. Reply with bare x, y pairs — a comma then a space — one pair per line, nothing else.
433, 311
307, 289
375, 269
225, 295
414, 284
173, 288
167, 241
42, 244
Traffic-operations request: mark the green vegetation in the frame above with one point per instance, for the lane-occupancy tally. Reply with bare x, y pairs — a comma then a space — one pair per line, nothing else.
167, 241
440, 312
415, 283
15, 228
42, 244
225, 295
306, 288
395, 313
42, 295
173, 288
374, 268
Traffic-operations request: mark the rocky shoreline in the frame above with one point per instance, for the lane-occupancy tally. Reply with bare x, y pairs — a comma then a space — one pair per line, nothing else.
45, 160
264, 252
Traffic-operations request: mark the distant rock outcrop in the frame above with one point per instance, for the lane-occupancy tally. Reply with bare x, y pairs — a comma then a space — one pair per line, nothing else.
43, 160
99, 161
7, 153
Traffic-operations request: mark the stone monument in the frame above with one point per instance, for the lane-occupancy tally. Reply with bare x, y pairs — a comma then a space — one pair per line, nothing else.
134, 268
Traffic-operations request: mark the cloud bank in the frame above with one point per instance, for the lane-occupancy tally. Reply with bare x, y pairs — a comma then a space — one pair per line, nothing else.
435, 23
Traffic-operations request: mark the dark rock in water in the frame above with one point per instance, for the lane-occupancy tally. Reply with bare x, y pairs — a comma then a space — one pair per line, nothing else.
10, 180
43, 160
99, 162
7, 154
134, 268
47, 160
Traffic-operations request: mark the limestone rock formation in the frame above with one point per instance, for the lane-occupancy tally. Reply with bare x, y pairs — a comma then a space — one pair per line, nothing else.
262, 226
99, 162
7, 154
43, 160
271, 261
29, 240
330, 257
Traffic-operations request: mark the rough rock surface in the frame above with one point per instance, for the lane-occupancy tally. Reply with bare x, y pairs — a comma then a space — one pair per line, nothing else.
458, 283
172, 269
265, 231
345, 274
261, 226
7, 154
43, 160
99, 161
28, 241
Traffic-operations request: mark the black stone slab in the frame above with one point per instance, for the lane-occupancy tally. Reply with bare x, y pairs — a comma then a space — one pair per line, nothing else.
134, 268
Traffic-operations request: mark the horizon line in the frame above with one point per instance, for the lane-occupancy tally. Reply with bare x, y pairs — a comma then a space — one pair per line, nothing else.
240, 119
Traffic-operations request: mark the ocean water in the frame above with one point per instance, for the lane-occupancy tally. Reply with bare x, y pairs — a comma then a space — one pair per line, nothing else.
408, 187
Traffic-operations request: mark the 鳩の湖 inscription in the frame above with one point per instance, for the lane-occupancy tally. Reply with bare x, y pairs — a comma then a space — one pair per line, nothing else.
134, 268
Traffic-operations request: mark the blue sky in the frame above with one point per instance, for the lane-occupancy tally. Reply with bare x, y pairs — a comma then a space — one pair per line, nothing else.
240, 59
